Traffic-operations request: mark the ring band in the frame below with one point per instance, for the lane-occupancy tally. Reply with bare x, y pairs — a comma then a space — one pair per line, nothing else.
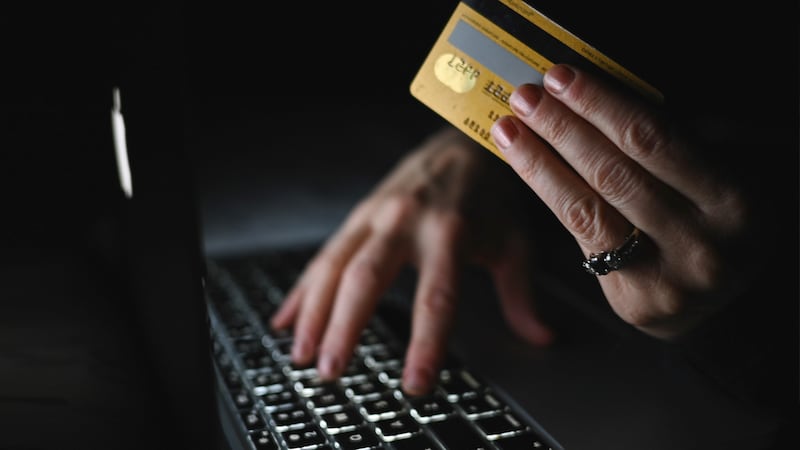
608, 261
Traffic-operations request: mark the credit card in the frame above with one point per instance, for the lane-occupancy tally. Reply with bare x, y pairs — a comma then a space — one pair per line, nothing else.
487, 49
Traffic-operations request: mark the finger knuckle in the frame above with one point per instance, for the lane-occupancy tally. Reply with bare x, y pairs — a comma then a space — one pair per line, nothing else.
706, 265
644, 137
580, 216
396, 211
587, 99
401, 205
617, 181
323, 264
363, 272
448, 223
439, 301
557, 128
528, 167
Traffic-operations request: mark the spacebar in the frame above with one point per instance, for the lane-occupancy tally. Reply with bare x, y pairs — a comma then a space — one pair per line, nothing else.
456, 434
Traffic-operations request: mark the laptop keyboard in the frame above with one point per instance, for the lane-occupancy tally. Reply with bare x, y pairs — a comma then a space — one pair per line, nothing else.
278, 406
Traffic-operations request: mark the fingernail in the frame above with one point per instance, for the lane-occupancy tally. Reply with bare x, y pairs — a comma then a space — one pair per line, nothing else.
417, 381
504, 132
328, 366
525, 99
558, 78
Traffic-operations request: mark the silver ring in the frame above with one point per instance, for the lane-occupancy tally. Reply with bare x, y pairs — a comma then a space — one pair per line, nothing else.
608, 261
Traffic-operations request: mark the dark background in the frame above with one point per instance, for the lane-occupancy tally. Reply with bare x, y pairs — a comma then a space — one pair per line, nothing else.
287, 114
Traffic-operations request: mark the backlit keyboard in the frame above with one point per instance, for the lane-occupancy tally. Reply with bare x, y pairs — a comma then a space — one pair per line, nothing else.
278, 406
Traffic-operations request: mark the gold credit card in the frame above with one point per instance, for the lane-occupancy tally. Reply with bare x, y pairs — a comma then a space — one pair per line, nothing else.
487, 49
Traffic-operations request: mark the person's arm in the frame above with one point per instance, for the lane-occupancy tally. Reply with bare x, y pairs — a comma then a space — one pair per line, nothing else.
603, 162
443, 206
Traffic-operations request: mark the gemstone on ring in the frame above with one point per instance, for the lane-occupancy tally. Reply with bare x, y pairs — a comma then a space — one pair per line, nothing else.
608, 261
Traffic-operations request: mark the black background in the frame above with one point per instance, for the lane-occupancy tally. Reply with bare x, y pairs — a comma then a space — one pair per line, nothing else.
295, 101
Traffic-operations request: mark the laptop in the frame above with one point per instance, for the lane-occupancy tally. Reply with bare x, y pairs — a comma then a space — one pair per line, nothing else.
179, 357
160, 343
156, 342
226, 377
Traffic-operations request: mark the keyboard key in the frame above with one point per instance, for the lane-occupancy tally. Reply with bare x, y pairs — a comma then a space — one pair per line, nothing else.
458, 383
224, 361
296, 372
267, 381
303, 438
380, 357
278, 400
391, 376
366, 389
480, 405
329, 398
291, 418
232, 379
385, 407
360, 438
257, 360
356, 371
242, 399
315, 386
416, 442
266, 377
252, 420
428, 408
284, 348
500, 424
369, 338
241, 329
457, 434
397, 428
262, 440
342, 420
527, 441
247, 345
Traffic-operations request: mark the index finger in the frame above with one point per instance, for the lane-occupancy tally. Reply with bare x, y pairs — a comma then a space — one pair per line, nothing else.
434, 303
635, 128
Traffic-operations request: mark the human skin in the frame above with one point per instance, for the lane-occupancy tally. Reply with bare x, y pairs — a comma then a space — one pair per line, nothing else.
601, 160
